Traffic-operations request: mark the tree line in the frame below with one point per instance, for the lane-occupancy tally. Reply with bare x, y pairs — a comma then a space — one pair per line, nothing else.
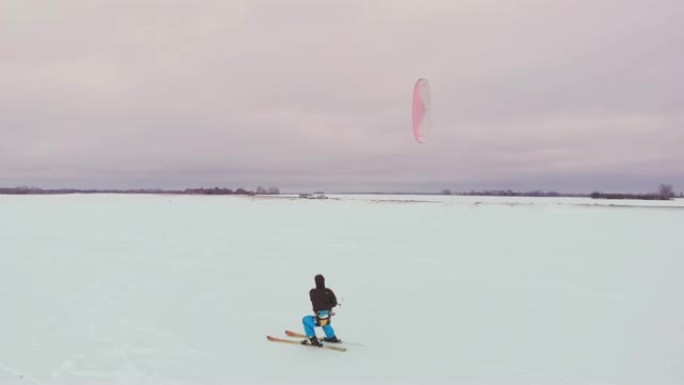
665, 192
30, 190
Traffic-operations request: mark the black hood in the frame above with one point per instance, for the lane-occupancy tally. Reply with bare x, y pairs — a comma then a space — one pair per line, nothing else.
320, 281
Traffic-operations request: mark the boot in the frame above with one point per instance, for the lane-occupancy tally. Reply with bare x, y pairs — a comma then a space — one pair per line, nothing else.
332, 339
312, 341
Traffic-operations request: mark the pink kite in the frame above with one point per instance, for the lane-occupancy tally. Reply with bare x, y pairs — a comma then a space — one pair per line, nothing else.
421, 110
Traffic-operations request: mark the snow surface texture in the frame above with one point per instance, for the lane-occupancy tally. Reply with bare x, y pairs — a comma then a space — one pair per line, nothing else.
121, 289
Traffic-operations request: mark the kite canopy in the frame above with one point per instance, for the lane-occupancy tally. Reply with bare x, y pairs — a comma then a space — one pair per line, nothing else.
421, 110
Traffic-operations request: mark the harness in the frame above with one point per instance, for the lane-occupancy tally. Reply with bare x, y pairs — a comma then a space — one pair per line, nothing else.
323, 318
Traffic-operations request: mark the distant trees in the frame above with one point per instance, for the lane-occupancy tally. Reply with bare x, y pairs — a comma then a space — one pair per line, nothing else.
25, 190
600, 195
665, 192
20, 190
267, 191
511, 193
209, 191
260, 190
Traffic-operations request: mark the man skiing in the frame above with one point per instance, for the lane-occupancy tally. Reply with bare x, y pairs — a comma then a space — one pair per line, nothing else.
323, 301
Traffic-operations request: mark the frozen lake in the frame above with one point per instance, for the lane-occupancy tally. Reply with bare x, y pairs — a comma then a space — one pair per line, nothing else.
154, 289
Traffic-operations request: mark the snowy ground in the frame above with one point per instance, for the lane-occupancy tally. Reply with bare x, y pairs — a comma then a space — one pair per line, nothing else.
121, 289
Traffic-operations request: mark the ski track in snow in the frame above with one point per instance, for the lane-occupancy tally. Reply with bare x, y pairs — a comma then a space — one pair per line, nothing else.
536, 373
578, 289
23, 377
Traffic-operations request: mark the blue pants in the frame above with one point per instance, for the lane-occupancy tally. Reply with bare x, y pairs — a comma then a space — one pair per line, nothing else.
309, 322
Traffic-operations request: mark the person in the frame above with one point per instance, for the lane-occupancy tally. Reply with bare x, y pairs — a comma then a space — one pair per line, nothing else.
323, 301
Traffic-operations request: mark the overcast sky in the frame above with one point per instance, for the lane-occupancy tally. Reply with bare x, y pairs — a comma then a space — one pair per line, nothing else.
316, 94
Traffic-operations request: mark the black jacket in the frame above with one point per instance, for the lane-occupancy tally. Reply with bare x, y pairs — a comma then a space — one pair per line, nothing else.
322, 298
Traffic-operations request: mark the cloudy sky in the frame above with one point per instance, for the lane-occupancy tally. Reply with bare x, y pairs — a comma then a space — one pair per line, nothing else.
526, 94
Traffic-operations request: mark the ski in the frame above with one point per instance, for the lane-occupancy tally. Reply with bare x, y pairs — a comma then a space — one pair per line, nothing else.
290, 333
295, 334
336, 348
